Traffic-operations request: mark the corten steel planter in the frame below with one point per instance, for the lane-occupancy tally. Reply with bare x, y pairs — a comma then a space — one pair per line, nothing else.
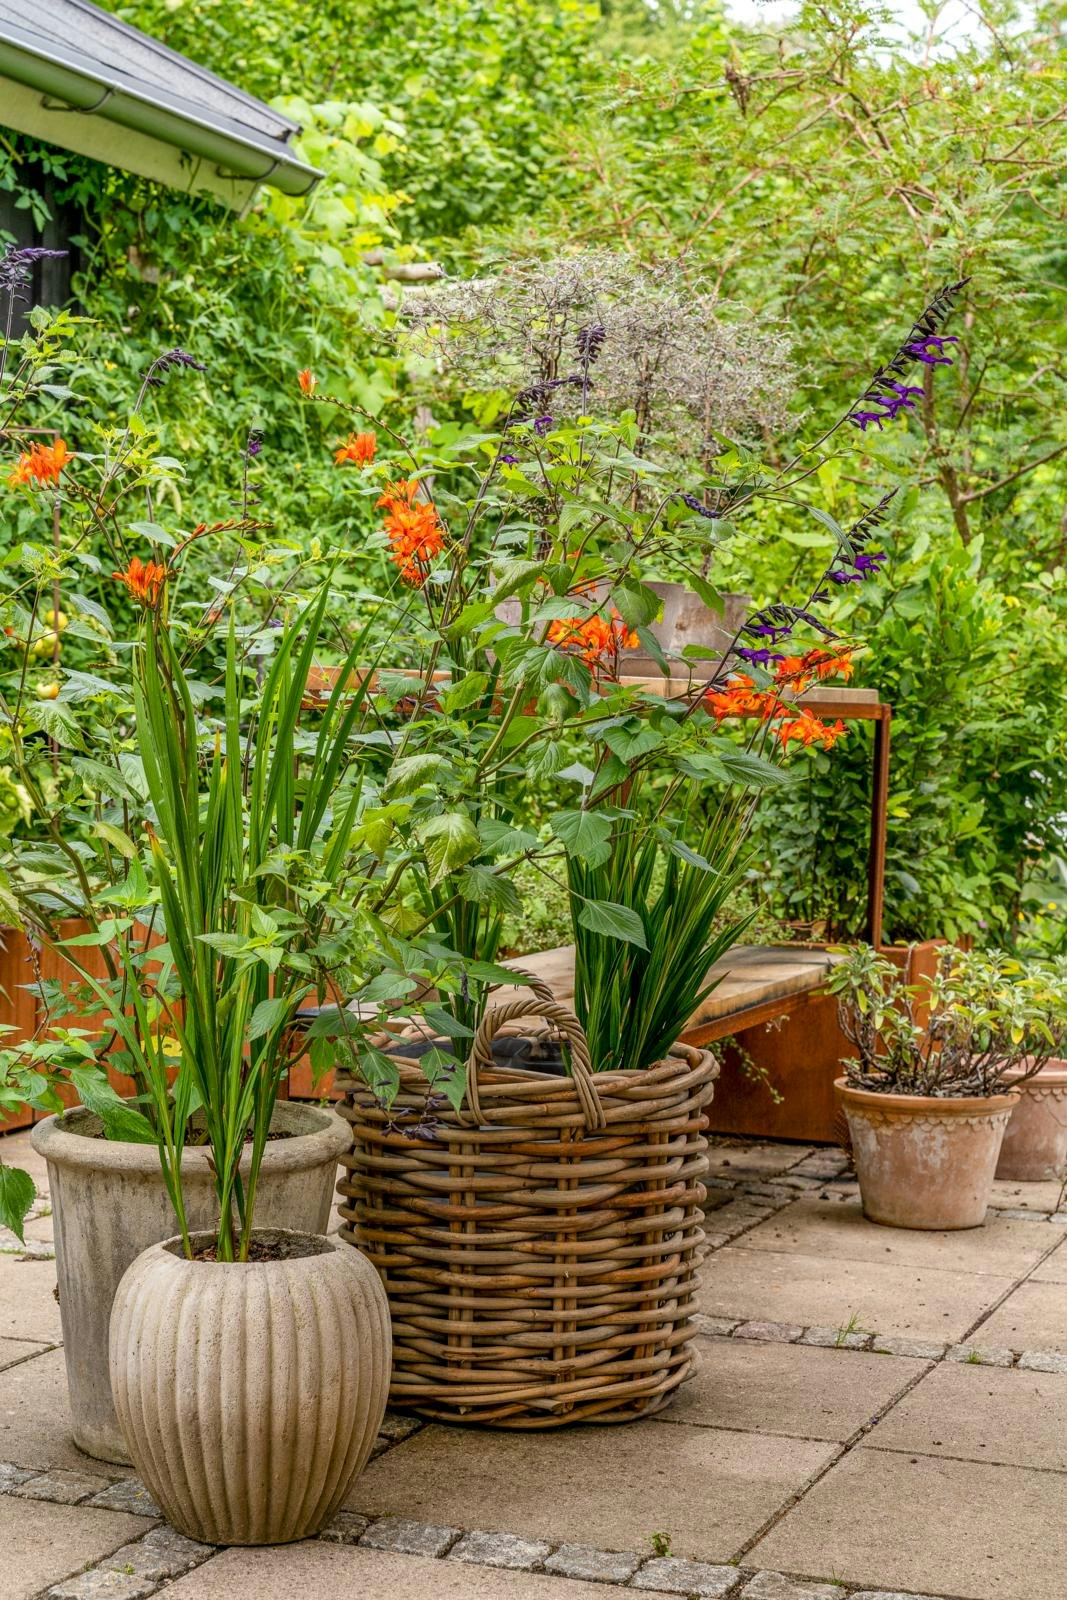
110, 1204
1035, 1143
924, 1162
250, 1393
539, 1250
801, 1060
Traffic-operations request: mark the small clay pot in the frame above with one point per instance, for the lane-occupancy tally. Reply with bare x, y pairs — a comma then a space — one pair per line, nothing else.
1035, 1144
251, 1393
923, 1162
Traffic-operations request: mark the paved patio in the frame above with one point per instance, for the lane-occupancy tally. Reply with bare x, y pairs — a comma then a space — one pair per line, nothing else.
877, 1414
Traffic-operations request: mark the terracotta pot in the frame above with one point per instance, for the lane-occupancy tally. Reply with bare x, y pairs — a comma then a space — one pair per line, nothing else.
924, 1162
1035, 1144
250, 1394
110, 1204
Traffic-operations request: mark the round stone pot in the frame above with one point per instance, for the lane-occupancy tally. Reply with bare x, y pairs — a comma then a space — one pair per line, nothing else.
250, 1393
1035, 1144
109, 1204
924, 1162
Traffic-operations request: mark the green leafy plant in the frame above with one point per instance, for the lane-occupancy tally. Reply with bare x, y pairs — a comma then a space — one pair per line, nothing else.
985, 1022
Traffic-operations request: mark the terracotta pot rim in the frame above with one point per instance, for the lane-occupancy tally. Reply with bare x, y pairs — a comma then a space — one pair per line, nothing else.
317, 1132
1054, 1071
905, 1105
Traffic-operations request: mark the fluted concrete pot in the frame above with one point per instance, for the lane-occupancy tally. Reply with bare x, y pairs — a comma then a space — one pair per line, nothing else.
250, 1394
1035, 1144
923, 1162
110, 1204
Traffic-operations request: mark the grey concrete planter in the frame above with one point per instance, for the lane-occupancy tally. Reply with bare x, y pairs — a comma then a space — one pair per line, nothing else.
251, 1393
110, 1204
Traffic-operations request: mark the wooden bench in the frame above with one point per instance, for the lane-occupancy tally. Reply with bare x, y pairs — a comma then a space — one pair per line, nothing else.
755, 984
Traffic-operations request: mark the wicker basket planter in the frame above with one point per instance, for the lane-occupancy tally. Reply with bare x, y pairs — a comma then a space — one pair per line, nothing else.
539, 1249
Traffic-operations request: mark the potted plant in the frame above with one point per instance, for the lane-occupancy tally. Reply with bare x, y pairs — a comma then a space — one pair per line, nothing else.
249, 1365
76, 758
536, 1215
1035, 1141
938, 1073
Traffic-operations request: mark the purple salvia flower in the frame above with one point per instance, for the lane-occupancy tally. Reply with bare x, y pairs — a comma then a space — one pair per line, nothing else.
767, 630
867, 563
757, 658
541, 425
698, 506
862, 418
919, 349
15, 265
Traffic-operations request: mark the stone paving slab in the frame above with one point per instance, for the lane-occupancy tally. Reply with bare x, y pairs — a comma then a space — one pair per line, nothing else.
925, 1526
336, 1572
42, 1544
1034, 1317
595, 1566
501, 1550
35, 1417
674, 1576
1054, 1267
1043, 1197
984, 1413
776, 1586
895, 1299
28, 1306
730, 1161
13, 1350
792, 1388
838, 1231
709, 1490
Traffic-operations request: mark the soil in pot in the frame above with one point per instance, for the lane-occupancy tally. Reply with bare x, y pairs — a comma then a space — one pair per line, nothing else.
924, 1162
110, 1204
250, 1393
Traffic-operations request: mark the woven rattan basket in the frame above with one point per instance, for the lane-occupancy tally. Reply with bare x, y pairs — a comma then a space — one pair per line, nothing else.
539, 1249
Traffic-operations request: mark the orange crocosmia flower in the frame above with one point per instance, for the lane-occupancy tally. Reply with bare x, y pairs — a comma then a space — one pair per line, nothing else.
806, 729
41, 463
414, 530
358, 448
144, 580
593, 638
742, 699
799, 671
307, 381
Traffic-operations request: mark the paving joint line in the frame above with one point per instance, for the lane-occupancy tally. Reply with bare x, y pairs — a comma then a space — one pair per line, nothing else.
164, 1555
967, 1461
984, 1317
18, 1361
846, 1448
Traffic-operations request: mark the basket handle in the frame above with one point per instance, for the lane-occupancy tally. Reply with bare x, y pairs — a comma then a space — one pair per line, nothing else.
566, 1023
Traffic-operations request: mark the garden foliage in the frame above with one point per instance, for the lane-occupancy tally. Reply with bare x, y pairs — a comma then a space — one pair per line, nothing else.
813, 178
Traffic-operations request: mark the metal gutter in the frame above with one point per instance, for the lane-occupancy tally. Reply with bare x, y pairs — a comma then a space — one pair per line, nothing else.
68, 82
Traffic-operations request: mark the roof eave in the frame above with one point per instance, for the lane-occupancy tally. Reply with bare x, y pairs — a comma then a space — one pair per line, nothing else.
85, 89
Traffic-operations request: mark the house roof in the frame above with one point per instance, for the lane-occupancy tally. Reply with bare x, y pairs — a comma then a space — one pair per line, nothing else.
81, 79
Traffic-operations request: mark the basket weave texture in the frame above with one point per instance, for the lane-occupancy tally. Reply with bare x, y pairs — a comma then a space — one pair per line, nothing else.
539, 1248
